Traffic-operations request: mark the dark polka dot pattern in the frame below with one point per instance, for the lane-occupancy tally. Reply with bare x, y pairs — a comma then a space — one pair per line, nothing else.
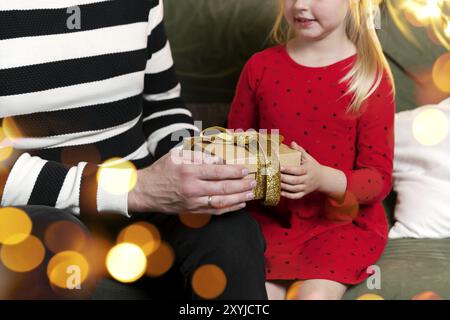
317, 237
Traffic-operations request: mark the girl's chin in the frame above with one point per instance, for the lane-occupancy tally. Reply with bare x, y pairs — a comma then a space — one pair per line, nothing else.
309, 34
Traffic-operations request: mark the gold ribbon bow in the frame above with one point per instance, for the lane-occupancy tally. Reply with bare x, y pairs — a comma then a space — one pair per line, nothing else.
268, 176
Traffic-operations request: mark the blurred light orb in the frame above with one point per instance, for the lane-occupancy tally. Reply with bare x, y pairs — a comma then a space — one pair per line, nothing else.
432, 14
348, 210
412, 18
292, 292
441, 72
431, 9
24, 256
72, 157
126, 262
160, 261
15, 226
370, 296
209, 281
427, 295
430, 127
143, 234
64, 265
5, 152
6, 149
194, 221
64, 236
419, 14
10, 129
447, 30
117, 176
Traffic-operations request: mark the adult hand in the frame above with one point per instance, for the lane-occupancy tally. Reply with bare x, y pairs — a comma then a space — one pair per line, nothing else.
191, 182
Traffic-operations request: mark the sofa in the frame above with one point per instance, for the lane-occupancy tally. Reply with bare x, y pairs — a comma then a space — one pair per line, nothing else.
211, 40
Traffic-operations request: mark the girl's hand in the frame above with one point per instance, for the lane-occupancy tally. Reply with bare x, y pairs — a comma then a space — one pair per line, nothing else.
298, 181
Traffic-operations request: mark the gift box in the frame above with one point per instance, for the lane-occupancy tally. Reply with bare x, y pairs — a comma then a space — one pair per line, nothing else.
262, 154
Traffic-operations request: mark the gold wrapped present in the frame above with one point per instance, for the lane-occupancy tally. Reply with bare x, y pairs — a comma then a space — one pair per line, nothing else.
262, 154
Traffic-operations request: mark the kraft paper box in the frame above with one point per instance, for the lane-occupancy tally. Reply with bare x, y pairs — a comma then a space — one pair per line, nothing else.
235, 154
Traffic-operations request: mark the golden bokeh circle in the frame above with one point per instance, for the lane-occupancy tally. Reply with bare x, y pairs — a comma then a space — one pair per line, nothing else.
15, 226
348, 210
117, 176
194, 221
6, 149
292, 292
64, 236
24, 256
143, 234
160, 261
71, 156
441, 72
10, 129
430, 127
427, 295
63, 265
370, 296
126, 262
209, 281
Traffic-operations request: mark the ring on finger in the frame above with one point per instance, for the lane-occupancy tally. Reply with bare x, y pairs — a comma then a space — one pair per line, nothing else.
209, 201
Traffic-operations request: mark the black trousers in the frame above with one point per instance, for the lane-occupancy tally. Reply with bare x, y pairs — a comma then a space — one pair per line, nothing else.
233, 242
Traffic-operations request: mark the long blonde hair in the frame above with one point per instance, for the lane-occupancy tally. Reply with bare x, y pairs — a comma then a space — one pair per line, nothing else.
367, 72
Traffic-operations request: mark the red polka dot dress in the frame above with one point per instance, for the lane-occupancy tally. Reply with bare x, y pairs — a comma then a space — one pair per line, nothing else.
316, 237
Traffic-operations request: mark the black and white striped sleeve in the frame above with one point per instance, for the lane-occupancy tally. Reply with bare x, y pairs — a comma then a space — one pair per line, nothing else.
31, 180
166, 118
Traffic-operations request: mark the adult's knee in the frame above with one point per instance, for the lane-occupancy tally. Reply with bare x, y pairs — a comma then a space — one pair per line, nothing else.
42, 217
234, 239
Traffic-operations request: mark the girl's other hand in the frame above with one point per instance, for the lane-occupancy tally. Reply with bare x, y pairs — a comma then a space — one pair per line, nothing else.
298, 181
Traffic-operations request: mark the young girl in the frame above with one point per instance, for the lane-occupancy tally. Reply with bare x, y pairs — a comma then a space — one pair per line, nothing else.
328, 88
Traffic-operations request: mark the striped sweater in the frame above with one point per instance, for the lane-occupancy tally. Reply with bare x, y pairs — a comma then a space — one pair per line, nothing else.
83, 81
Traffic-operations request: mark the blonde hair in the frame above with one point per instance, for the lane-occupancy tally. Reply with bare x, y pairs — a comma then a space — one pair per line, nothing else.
367, 72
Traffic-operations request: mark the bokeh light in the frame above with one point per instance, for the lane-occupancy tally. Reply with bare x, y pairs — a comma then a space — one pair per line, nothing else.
431, 14
117, 176
126, 262
427, 295
97, 251
64, 265
6, 148
143, 234
370, 296
15, 226
431, 10
209, 281
441, 72
10, 129
64, 236
24, 256
160, 261
194, 221
292, 292
72, 156
348, 210
425, 90
412, 19
430, 127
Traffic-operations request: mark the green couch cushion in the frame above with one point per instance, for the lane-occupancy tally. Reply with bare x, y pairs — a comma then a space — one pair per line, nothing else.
409, 267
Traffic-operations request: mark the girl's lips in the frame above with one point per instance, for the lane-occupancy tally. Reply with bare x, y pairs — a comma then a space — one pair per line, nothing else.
304, 22
300, 19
